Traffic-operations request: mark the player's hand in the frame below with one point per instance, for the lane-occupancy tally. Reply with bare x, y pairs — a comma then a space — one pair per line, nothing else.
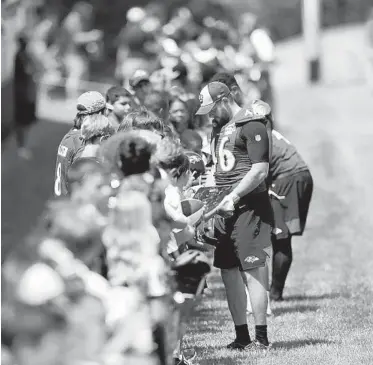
226, 207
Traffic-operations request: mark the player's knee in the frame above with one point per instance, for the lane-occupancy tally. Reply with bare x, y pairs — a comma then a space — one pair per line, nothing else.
259, 274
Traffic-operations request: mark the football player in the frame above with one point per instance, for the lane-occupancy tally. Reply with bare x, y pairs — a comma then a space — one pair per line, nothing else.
241, 152
290, 192
89, 103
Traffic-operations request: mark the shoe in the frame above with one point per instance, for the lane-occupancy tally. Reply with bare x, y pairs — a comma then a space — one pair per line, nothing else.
181, 361
189, 354
258, 346
235, 345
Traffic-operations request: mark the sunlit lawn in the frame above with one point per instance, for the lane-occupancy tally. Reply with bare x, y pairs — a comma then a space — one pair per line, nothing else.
327, 317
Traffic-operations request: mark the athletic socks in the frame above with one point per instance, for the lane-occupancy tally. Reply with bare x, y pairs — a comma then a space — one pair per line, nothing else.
242, 334
261, 334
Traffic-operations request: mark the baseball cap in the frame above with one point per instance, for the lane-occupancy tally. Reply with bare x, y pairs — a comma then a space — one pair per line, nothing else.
210, 95
138, 76
91, 102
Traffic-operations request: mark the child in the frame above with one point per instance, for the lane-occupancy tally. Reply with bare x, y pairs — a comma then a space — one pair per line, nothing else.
122, 102
170, 157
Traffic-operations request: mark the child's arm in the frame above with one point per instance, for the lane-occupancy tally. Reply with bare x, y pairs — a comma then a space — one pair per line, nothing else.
172, 207
179, 220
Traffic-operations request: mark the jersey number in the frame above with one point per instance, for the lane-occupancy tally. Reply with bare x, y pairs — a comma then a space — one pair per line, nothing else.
280, 137
226, 157
57, 182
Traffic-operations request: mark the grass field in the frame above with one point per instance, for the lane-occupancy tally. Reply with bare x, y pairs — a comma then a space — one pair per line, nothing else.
327, 317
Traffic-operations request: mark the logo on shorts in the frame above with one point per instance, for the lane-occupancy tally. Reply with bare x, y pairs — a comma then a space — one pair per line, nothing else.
251, 259
201, 98
258, 138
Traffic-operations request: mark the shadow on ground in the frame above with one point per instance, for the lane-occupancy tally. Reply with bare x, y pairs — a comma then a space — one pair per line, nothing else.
27, 185
295, 309
300, 343
311, 297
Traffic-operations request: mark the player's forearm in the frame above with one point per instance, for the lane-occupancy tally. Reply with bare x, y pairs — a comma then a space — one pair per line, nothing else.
252, 179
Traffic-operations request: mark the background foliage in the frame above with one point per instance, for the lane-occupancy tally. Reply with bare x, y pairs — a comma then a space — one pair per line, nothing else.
282, 17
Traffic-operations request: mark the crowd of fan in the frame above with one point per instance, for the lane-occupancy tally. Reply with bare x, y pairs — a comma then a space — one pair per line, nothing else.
101, 280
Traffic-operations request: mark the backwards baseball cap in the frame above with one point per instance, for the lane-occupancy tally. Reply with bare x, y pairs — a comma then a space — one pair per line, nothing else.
90, 102
210, 95
138, 76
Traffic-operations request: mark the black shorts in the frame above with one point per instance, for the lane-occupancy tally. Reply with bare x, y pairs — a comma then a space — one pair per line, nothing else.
243, 237
290, 199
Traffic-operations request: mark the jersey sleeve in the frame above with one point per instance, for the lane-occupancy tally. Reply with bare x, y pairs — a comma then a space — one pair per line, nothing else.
255, 137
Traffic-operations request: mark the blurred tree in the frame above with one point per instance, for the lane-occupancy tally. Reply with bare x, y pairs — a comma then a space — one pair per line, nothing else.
281, 17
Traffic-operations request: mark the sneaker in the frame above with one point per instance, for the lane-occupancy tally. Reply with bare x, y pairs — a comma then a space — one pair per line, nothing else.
181, 361
235, 345
258, 346
189, 354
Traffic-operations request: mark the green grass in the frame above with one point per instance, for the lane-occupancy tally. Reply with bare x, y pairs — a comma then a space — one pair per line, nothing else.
327, 317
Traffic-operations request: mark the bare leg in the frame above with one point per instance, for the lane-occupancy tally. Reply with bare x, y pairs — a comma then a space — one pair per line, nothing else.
236, 295
257, 283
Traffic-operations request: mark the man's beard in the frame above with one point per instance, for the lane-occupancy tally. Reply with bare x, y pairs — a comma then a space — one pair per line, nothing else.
222, 120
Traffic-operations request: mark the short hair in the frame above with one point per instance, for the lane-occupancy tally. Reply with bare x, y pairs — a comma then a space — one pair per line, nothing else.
116, 92
142, 120
153, 124
171, 157
134, 154
155, 101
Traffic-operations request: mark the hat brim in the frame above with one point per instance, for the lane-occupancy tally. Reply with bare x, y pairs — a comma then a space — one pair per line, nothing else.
205, 109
